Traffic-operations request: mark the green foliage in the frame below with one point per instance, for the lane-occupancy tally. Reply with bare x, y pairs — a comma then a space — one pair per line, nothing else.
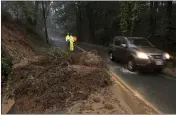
6, 66
65, 15
129, 16
124, 17
21, 10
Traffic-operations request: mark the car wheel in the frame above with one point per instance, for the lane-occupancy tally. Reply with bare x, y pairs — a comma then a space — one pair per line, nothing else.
111, 57
159, 70
131, 65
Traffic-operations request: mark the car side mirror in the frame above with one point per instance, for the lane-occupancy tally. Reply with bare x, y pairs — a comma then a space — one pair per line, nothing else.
124, 45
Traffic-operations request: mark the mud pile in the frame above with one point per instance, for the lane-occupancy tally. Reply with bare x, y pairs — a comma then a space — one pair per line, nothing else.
16, 43
55, 81
102, 102
90, 59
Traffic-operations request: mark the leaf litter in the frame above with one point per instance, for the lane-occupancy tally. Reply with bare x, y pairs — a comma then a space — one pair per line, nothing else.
58, 80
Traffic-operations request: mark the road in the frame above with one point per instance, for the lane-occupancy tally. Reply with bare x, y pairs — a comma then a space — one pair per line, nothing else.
158, 89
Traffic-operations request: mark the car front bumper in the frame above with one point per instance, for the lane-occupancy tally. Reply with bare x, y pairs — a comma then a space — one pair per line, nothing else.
149, 63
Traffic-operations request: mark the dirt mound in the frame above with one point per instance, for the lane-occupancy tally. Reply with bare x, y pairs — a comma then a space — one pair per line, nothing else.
90, 59
101, 102
54, 81
16, 43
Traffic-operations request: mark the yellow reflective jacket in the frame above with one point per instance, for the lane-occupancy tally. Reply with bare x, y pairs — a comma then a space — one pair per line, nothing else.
67, 38
71, 43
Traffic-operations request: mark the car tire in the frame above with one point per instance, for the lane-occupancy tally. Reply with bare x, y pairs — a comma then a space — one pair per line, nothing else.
131, 65
111, 57
159, 70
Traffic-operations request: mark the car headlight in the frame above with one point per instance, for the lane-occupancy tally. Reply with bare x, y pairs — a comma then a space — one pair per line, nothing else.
142, 55
166, 56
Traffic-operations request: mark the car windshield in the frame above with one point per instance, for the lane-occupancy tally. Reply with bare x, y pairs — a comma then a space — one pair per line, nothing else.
137, 42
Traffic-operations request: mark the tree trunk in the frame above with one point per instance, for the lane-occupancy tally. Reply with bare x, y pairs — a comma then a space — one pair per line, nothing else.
36, 13
169, 17
79, 21
44, 19
128, 20
153, 13
151, 16
132, 28
91, 23
169, 13
106, 30
46, 33
17, 6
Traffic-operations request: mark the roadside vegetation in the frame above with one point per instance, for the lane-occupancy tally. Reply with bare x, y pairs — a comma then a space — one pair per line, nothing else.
6, 65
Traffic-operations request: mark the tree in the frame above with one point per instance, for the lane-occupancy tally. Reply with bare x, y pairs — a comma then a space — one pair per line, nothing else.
36, 6
45, 10
153, 15
169, 23
97, 22
129, 16
137, 7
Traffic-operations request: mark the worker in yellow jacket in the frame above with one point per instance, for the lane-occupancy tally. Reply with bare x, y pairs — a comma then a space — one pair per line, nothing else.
67, 39
71, 39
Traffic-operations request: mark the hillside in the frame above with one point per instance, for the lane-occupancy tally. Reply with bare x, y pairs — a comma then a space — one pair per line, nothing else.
16, 43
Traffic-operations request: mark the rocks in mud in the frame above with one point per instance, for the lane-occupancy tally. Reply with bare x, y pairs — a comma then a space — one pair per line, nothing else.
90, 59
57, 82
108, 106
96, 99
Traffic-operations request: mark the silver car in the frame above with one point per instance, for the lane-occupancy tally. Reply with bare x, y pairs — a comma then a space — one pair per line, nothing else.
137, 52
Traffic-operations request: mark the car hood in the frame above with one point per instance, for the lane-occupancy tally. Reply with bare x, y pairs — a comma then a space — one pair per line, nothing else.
148, 50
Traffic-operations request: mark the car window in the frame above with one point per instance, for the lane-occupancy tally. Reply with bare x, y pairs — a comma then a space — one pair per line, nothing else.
111, 41
117, 42
139, 43
123, 41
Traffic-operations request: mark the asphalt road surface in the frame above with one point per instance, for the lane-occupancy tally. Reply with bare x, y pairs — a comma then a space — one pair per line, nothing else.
158, 89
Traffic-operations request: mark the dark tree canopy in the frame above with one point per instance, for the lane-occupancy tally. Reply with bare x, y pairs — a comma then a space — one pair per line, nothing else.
97, 22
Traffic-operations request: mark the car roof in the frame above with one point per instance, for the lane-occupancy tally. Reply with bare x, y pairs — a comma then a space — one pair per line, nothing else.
135, 38
128, 37
118, 36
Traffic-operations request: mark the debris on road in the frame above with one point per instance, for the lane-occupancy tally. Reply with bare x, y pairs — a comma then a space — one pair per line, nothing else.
101, 102
90, 59
54, 81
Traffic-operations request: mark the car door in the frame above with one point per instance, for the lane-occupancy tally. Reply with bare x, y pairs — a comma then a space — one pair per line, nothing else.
111, 46
117, 48
123, 49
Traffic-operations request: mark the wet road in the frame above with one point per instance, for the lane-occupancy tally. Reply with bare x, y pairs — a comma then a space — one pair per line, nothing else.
158, 89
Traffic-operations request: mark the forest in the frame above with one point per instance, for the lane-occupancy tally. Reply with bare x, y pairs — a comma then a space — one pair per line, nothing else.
97, 22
